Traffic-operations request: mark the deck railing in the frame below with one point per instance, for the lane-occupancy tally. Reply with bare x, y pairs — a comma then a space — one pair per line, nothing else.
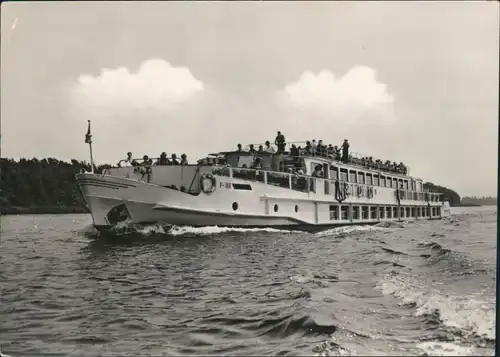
353, 155
306, 183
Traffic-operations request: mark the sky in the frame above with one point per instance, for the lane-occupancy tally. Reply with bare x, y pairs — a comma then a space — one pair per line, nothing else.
403, 81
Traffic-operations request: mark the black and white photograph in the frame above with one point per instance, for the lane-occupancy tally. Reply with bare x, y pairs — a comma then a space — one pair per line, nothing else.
248, 178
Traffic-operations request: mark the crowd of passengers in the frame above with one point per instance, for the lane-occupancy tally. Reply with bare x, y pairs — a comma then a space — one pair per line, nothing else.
146, 161
313, 148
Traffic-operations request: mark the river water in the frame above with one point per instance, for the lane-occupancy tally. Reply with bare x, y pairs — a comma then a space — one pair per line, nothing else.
410, 288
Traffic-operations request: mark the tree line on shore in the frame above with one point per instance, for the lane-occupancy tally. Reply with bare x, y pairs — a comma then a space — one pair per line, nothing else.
49, 186
480, 201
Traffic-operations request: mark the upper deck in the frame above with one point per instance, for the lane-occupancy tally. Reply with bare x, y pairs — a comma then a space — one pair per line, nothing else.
305, 165
332, 168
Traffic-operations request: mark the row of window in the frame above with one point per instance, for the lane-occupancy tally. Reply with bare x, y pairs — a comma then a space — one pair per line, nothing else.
370, 212
374, 179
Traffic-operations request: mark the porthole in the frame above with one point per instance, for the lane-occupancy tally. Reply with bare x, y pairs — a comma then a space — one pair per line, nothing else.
296, 208
235, 206
275, 208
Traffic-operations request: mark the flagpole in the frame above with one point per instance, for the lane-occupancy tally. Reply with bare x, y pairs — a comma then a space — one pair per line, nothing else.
89, 141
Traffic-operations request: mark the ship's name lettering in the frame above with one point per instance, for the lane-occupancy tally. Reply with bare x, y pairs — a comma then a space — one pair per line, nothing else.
225, 185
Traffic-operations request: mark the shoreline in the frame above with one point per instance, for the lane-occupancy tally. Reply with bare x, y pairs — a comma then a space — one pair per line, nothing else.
17, 210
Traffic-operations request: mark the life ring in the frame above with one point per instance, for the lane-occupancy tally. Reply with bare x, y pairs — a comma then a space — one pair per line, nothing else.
207, 183
340, 193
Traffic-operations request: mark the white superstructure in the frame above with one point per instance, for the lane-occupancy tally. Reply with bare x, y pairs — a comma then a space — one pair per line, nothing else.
210, 194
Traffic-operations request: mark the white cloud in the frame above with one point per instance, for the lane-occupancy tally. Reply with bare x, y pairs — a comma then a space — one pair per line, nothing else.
352, 96
141, 111
354, 105
156, 86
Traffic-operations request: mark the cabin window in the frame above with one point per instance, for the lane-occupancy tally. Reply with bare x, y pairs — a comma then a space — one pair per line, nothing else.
369, 180
344, 213
375, 180
334, 173
415, 196
406, 185
355, 212
408, 212
343, 174
245, 161
361, 177
388, 182
382, 181
395, 183
334, 212
388, 211
395, 212
352, 176
364, 212
373, 212
413, 186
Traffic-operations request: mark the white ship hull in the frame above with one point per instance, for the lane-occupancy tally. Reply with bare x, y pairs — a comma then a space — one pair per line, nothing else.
121, 196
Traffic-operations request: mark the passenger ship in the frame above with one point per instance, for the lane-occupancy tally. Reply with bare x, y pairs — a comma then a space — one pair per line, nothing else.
221, 191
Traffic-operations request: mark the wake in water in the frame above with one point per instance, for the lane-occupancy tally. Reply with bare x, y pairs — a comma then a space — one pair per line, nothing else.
159, 229
459, 321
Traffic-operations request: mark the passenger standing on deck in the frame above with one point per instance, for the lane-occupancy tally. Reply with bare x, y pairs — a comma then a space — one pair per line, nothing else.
251, 150
174, 160
345, 152
184, 160
280, 142
336, 151
294, 152
329, 151
269, 148
239, 147
163, 160
313, 147
128, 161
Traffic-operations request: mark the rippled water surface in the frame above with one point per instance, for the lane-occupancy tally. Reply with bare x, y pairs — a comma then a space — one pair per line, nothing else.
397, 289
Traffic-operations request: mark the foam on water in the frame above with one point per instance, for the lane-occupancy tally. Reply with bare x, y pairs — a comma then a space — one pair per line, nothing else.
471, 316
211, 230
351, 229
445, 349
208, 230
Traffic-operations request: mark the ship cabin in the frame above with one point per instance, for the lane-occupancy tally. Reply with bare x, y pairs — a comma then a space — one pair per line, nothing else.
296, 173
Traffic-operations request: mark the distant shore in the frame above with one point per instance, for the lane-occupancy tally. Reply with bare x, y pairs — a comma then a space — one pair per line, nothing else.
42, 210
466, 205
